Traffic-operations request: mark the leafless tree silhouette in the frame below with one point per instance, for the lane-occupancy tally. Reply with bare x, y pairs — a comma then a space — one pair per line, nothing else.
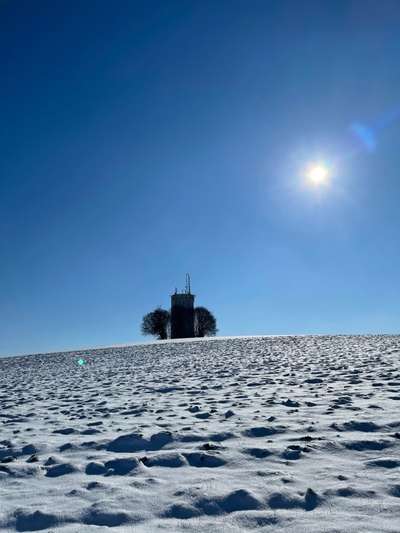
205, 323
156, 323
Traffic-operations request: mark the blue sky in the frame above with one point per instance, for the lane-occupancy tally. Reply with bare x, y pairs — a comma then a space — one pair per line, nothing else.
144, 140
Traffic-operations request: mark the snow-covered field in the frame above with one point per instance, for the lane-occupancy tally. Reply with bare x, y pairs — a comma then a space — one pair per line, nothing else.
297, 434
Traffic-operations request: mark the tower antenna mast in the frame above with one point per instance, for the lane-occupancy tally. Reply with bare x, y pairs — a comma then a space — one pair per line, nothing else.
187, 290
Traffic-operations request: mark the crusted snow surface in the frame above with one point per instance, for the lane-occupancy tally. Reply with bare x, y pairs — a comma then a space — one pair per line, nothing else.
297, 434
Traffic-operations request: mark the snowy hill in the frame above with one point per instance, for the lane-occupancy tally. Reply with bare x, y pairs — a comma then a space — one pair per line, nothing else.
296, 434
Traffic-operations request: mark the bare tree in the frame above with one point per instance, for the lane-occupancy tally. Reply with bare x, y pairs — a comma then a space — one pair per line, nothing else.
156, 323
205, 323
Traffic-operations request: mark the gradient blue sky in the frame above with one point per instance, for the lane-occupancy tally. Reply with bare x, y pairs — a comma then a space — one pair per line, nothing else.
142, 140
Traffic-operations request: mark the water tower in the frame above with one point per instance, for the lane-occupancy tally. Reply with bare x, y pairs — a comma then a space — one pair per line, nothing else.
182, 313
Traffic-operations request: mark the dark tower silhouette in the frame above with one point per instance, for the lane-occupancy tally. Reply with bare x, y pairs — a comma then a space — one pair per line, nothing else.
182, 313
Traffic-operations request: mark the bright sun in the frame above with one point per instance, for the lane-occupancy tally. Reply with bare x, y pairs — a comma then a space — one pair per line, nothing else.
317, 175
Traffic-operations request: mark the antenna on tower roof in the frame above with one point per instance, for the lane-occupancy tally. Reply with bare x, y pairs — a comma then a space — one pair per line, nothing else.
187, 289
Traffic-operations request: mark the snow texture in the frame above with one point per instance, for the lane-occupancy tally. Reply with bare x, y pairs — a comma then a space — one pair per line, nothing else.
294, 434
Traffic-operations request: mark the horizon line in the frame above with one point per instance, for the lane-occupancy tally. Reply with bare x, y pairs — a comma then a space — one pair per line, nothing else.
195, 339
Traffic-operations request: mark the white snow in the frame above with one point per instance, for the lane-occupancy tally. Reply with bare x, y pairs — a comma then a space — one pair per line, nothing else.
296, 434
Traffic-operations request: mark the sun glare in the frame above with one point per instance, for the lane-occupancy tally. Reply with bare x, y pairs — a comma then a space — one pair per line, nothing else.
317, 175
